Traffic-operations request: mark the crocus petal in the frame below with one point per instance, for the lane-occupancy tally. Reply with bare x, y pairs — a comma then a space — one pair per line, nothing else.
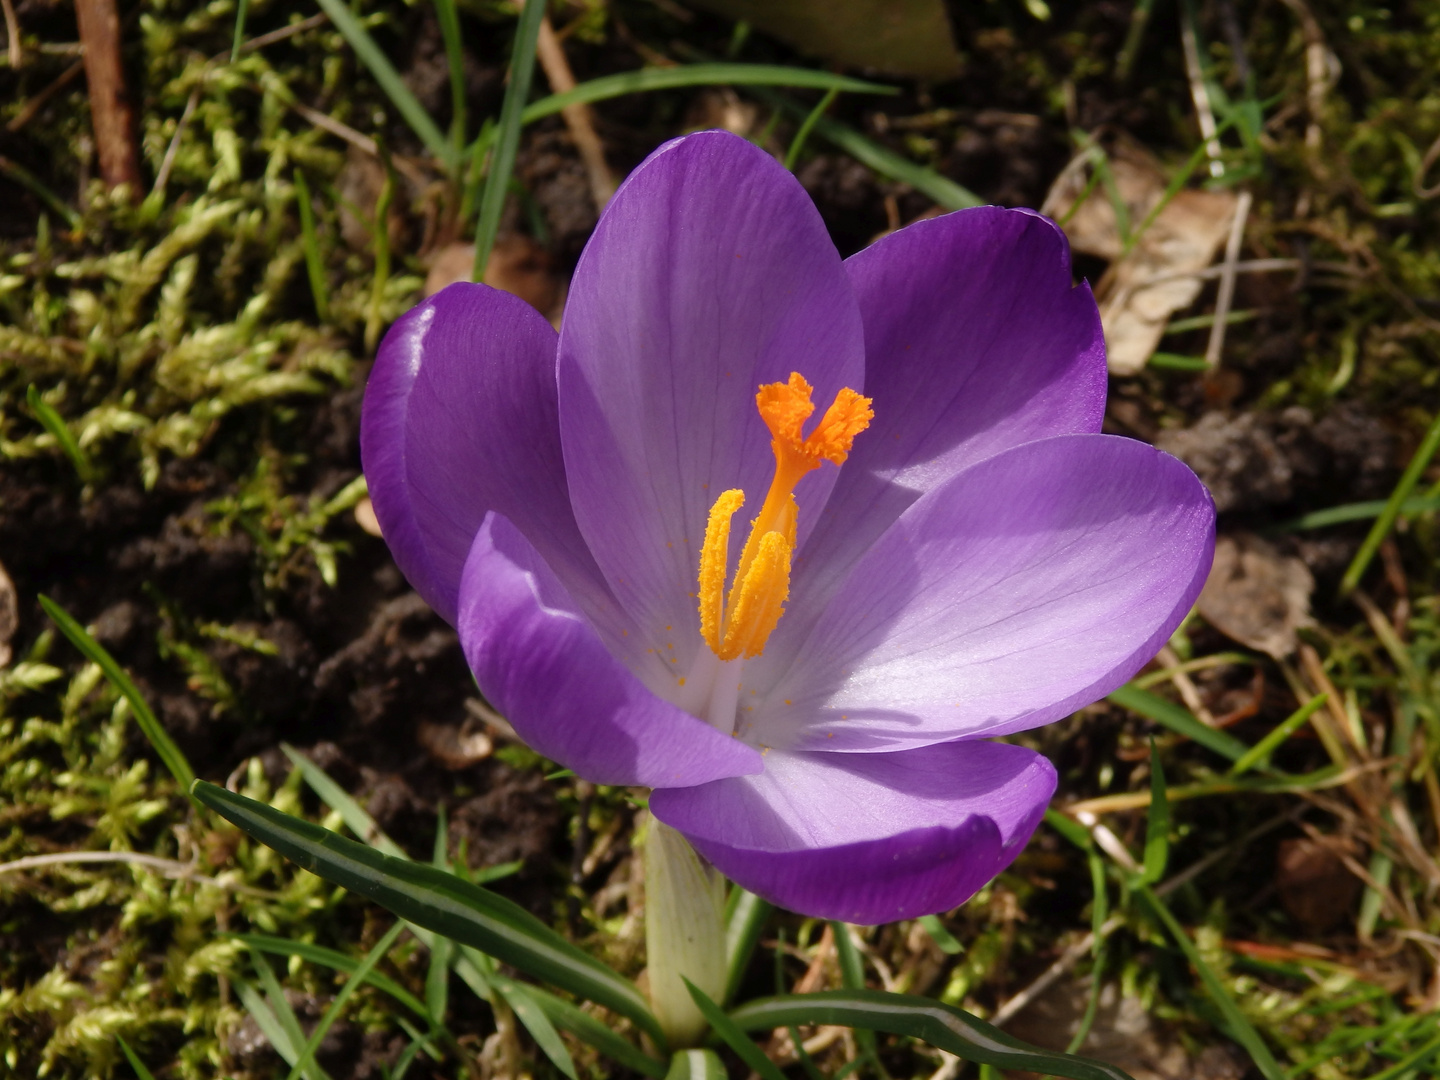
868, 838
1026, 587
460, 419
539, 662
709, 274
976, 340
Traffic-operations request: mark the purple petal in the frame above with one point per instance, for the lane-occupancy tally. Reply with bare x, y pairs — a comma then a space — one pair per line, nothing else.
1026, 587
868, 838
709, 274
976, 341
460, 419
541, 664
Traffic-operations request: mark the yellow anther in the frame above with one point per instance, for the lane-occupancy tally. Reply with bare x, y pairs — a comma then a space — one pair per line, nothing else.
713, 556
742, 624
758, 599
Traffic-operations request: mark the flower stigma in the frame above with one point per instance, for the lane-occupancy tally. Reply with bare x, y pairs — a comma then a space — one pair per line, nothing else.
739, 625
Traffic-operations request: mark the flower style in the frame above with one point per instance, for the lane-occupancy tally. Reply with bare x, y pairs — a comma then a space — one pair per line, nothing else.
952, 552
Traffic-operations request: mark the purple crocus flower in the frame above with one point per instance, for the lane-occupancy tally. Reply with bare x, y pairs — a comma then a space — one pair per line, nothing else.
952, 552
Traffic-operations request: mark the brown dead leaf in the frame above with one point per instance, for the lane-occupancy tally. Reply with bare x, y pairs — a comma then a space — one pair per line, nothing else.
1140, 291
1315, 888
518, 265
1256, 595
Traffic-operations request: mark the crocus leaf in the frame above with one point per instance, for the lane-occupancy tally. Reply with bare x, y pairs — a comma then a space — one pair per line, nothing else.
55, 424
401, 96
587, 1029
696, 1065
940, 1025
1179, 720
529, 1012
332, 1012
334, 796
734, 1036
745, 917
159, 738
436, 901
1157, 824
338, 961
139, 1066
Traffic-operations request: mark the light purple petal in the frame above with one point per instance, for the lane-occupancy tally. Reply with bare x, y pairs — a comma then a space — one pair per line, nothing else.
868, 838
709, 274
460, 419
976, 340
1026, 587
541, 664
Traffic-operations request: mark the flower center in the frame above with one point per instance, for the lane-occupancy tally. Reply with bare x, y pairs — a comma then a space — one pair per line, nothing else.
741, 624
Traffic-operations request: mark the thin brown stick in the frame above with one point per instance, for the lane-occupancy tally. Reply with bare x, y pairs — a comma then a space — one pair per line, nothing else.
162, 175
578, 118
170, 868
12, 31
111, 114
36, 103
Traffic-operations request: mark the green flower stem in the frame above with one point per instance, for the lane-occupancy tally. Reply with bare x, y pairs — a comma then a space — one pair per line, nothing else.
684, 932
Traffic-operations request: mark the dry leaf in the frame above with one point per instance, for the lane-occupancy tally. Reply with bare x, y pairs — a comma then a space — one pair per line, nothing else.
1256, 595
455, 746
518, 265
1141, 291
1315, 888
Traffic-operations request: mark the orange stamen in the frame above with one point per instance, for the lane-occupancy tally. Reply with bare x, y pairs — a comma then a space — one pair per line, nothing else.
762, 580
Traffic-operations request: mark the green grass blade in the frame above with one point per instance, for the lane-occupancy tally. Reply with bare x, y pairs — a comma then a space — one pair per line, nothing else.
265, 1019
743, 924
242, 9
400, 95
944, 940
704, 74
940, 1025
1386, 520
55, 424
28, 180
528, 1011
449, 20
696, 1065
1361, 511
334, 796
93, 651
1241, 1030
852, 977
332, 1013
1179, 720
335, 960
597, 1034
135, 1063
733, 1036
1157, 823
792, 155
1262, 750
435, 900
310, 238
507, 134
940, 189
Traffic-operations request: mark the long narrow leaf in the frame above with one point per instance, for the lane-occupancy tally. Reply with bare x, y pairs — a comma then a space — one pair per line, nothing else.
135, 1063
733, 1035
266, 1020
852, 977
528, 1011
356, 819
337, 961
159, 738
590, 1030
1179, 720
744, 921
1157, 824
1241, 1030
1371, 544
390, 81
436, 901
332, 1013
939, 1024
507, 133
55, 424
